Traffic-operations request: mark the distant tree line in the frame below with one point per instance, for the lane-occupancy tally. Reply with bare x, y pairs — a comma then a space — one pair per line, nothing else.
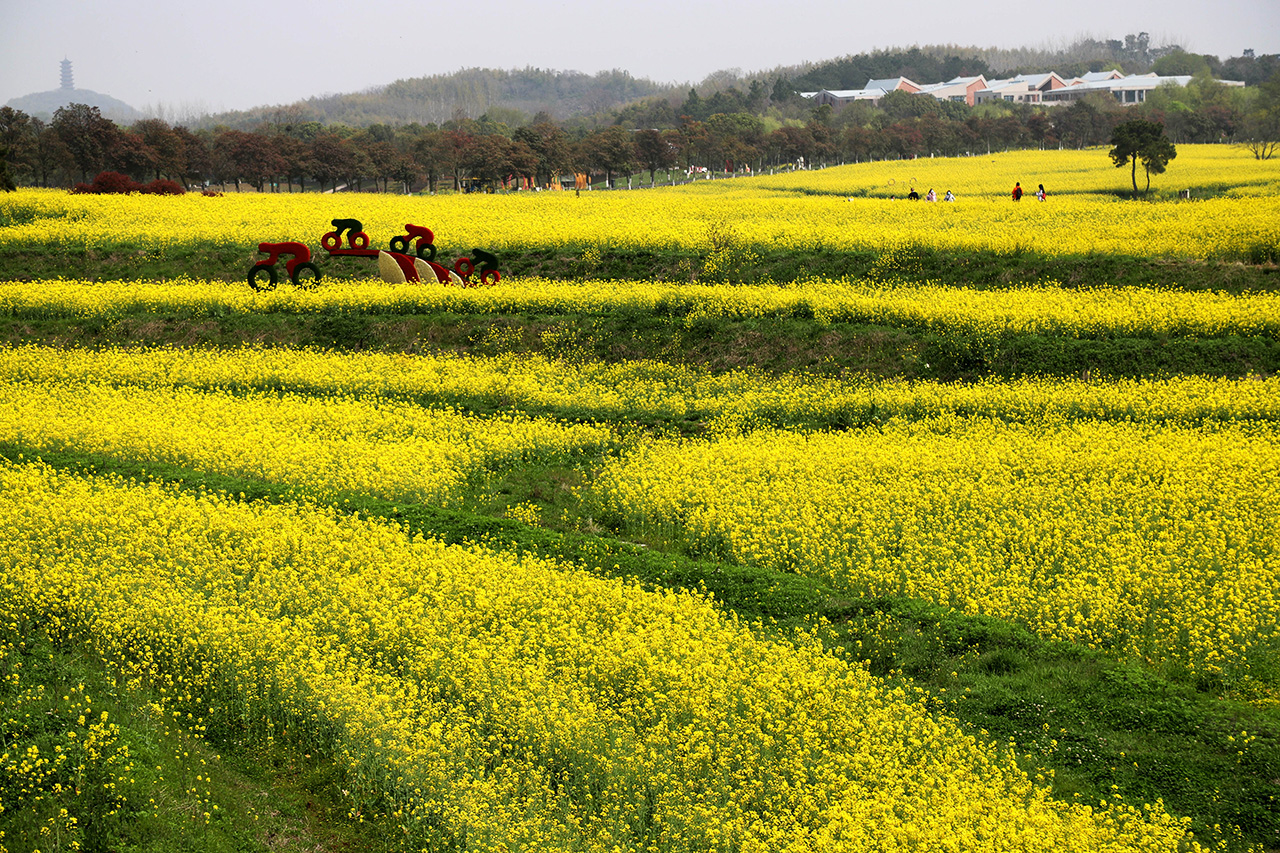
758, 126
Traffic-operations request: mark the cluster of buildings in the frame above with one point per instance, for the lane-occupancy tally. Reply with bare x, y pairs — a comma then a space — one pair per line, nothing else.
1048, 89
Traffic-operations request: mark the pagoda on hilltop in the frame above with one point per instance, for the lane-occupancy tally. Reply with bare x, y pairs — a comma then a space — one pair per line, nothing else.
43, 105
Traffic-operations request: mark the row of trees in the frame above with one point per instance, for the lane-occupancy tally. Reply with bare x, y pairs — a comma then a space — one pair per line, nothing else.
717, 133
463, 153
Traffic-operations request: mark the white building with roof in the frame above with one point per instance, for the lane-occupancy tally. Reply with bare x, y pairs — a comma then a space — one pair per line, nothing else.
873, 91
1128, 90
1023, 89
962, 89
889, 84
1100, 76
1048, 88
839, 97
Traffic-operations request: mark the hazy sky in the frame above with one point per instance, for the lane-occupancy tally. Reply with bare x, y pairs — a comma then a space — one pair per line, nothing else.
213, 55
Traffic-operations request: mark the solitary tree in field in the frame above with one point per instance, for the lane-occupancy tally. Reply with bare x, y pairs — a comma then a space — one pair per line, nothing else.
1261, 125
1139, 139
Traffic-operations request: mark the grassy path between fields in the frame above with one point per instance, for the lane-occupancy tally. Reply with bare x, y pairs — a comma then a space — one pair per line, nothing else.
772, 345
735, 262
1079, 716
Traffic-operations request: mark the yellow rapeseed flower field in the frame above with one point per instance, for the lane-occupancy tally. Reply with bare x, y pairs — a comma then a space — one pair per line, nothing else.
1042, 308
325, 445
490, 701
1127, 515
1152, 539
85, 760
1220, 169
514, 703
837, 208
733, 400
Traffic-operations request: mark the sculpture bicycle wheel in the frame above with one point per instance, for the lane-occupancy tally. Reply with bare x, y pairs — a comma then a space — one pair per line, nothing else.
305, 275
258, 272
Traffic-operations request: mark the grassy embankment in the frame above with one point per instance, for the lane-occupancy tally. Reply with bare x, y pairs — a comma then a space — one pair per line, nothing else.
775, 344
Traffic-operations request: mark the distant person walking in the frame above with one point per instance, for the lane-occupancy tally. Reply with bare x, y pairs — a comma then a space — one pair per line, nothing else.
1040, 193
950, 196
932, 196
913, 195
1017, 191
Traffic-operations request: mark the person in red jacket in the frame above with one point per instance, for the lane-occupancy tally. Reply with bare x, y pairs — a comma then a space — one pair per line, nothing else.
1017, 191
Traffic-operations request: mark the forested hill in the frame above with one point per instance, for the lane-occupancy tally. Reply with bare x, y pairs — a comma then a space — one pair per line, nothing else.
471, 92
920, 65
515, 97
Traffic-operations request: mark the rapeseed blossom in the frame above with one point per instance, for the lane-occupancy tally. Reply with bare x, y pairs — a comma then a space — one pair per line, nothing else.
979, 315
729, 400
1151, 539
480, 699
510, 702
324, 446
838, 208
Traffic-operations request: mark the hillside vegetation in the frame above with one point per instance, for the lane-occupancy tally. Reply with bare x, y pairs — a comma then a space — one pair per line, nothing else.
568, 96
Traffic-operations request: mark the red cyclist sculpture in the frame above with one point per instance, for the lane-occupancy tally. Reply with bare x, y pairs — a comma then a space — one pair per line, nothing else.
396, 265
